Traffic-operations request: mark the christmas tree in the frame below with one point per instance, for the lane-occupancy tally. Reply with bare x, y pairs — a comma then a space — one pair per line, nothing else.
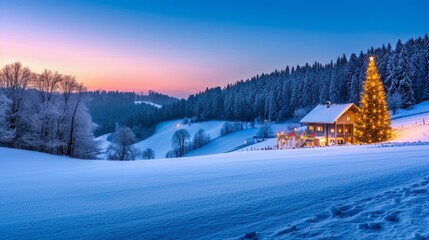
373, 120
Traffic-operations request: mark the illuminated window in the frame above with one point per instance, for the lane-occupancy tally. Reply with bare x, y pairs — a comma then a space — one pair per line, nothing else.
346, 130
349, 119
340, 130
332, 130
319, 128
311, 128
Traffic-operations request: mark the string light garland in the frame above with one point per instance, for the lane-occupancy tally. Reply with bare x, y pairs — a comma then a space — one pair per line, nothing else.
373, 119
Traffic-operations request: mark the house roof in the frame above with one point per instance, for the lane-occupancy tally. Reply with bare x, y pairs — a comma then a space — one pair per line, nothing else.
324, 114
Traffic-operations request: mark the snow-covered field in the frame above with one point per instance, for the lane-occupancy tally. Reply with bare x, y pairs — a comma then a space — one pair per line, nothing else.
359, 192
347, 192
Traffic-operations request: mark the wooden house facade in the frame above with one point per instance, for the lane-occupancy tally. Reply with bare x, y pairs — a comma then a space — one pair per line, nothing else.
332, 124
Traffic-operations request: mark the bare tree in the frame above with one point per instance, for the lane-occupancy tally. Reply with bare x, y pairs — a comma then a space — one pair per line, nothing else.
179, 141
121, 147
171, 154
67, 87
46, 84
79, 89
14, 79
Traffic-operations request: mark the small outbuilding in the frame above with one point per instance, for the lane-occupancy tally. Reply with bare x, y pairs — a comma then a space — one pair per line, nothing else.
332, 124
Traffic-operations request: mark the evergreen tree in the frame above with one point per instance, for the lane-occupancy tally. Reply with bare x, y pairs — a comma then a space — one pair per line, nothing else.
373, 124
405, 85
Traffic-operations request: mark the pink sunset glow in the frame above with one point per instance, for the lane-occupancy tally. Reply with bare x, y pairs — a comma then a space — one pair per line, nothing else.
107, 67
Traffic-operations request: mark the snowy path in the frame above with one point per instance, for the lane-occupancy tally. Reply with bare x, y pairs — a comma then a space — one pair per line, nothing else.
337, 192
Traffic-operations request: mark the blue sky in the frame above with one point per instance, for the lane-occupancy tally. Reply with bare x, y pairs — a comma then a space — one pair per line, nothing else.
180, 47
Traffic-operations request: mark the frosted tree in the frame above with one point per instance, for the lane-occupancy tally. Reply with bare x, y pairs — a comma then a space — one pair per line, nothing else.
200, 139
84, 146
405, 86
121, 147
422, 80
48, 113
14, 80
6, 134
391, 82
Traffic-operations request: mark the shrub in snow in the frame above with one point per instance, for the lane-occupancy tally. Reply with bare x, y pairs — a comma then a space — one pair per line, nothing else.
149, 153
171, 154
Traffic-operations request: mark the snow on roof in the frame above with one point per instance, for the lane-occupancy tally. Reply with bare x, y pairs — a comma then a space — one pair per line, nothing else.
324, 114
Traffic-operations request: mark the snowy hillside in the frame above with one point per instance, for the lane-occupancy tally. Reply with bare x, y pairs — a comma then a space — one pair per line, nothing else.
413, 124
160, 141
360, 192
417, 109
226, 143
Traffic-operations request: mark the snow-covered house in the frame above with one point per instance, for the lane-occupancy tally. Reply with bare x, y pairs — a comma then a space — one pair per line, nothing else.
332, 123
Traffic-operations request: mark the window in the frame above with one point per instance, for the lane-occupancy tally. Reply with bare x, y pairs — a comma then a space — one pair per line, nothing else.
348, 129
348, 118
340, 130
319, 128
311, 128
332, 130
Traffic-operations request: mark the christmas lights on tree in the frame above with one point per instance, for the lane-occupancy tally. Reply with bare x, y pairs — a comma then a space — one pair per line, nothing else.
373, 122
